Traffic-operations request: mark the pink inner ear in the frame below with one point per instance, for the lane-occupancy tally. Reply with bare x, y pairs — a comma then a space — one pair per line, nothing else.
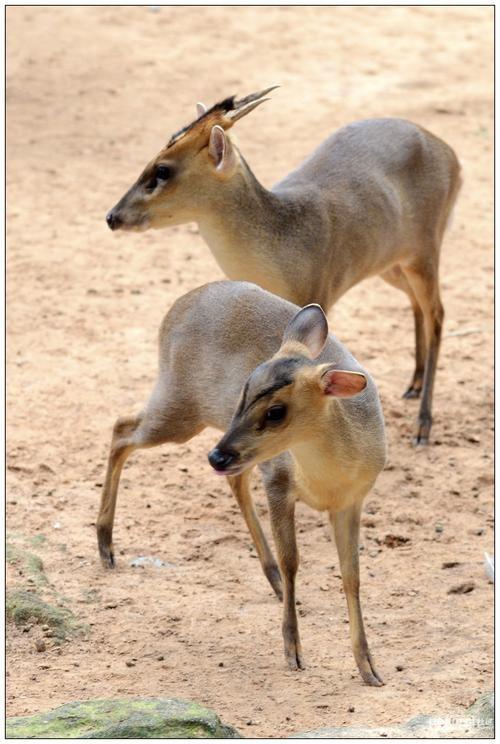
343, 384
217, 145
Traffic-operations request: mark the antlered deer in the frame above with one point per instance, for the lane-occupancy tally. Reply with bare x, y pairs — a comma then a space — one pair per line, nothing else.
373, 198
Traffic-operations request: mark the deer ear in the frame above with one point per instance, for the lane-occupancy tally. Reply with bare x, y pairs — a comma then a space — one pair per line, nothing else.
308, 327
220, 150
341, 383
200, 109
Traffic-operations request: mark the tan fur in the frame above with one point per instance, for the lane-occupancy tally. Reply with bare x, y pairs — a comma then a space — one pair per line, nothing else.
374, 198
210, 342
326, 450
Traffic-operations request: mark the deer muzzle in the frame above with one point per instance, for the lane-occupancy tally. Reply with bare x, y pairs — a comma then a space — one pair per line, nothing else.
224, 462
113, 220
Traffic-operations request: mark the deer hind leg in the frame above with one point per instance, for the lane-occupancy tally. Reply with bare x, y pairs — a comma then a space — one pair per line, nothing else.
239, 486
157, 425
424, 282
345, 525
396, 278
122, 444
282, 510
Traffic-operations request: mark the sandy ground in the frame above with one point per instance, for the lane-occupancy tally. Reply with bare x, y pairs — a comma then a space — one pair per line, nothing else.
93, 93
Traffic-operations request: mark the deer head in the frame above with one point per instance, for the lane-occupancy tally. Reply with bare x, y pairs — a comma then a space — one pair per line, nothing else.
178, 182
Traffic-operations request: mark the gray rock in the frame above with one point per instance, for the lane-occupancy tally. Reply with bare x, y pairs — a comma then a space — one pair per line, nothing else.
484, 708
149, 560
478, 722
133, 718
351, 732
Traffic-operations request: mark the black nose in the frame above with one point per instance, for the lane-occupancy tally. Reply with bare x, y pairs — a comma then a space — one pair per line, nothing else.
113, 220
220, 460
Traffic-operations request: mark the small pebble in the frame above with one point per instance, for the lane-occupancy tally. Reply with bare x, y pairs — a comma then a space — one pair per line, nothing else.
465, 588
161, 658
221, 663
130, 663
399, 668
351, 709
40, 645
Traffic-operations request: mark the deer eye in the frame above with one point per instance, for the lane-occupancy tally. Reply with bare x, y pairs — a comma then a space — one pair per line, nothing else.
163, 173
275, 414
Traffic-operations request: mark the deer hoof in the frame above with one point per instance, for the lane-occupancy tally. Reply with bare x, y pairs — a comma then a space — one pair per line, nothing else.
412, 393
372, 679
273, 575
421, 438
108, 559
105, 548
295, 661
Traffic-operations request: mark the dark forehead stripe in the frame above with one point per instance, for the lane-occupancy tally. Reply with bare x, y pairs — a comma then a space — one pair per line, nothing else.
223, 106
277, 386
281, 373
241, 407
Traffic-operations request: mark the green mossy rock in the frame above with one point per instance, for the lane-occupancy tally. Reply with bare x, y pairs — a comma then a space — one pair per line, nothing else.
30, 563
24, 601
135, 718
22, 605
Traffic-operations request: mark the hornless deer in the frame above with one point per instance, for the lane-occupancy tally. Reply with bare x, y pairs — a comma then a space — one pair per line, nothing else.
211, 340
374, 198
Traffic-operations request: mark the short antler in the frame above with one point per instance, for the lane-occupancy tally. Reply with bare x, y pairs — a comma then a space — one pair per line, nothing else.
224, 113
247, 104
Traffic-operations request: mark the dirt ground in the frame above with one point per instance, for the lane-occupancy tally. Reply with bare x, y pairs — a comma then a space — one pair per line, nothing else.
93, 93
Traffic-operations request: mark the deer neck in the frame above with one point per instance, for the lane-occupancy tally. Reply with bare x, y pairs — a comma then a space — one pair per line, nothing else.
333, 447
243, 226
